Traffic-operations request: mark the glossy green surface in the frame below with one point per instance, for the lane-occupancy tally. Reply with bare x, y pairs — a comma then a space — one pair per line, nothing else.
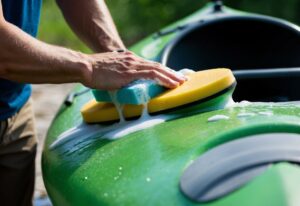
144, 168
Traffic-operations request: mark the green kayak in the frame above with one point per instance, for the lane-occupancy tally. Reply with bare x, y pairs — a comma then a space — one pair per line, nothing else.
216, 152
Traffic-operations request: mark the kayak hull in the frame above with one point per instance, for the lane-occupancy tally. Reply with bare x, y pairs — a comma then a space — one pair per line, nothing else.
144, 168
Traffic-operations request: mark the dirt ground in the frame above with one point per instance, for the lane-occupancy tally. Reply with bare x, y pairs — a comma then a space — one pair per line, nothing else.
46, 101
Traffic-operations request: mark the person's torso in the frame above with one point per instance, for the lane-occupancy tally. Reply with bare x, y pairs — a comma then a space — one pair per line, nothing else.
24, 14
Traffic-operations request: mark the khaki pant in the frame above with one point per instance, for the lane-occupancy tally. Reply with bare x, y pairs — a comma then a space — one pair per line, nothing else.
17, 158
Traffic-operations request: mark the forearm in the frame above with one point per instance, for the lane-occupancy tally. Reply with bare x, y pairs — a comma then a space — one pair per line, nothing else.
92, 22
25, 59
28, 60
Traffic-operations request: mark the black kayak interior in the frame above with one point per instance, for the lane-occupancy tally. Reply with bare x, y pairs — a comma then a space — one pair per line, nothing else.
263, 52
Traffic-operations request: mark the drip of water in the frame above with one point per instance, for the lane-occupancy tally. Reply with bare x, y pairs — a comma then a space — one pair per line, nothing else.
230, 103
143, 92
145, 113
119, 107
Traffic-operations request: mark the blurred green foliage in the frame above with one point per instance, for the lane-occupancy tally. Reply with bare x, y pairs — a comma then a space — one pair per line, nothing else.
136, 19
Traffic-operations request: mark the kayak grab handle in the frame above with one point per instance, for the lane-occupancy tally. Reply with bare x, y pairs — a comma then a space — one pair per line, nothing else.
218, 6
267, 73
70, 98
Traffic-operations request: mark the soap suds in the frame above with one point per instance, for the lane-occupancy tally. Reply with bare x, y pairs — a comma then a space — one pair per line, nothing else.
80, 132
243, 103
113, 131
141, 89
136, 125
231, 103
143, 92
84, 131
217, 118
186, 71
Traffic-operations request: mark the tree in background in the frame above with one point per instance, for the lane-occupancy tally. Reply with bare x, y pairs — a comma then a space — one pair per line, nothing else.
136, 19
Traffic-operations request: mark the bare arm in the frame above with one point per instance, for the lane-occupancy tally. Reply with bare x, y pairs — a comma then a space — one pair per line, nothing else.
26, 59
92, 22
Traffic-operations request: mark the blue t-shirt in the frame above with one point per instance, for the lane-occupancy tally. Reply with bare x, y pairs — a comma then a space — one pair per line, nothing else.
25, 14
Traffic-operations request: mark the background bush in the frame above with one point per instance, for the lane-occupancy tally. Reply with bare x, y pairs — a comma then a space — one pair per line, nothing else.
136, 19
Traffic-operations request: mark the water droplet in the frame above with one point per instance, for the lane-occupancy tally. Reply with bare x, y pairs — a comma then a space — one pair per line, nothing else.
85, 178
246, 114
217, 118
120, 168
105, 194
148, 179
266, 113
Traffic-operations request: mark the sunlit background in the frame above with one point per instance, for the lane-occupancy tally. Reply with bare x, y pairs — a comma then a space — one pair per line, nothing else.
136, 19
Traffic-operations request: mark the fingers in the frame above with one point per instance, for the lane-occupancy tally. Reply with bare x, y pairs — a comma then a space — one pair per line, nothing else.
169, 73
158, 77
159, 71
151, 70
124, 67
146, 64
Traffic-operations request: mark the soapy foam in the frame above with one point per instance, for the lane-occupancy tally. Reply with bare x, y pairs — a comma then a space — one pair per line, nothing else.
124, 127
231, 103
243, 103
136, 125
120, 129
114, 131
186, 71
145, 121
80, 132
144, 92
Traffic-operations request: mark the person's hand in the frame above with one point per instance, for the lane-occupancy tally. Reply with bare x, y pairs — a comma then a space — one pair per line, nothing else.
113, 70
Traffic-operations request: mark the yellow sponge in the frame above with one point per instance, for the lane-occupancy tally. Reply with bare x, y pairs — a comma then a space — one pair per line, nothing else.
199, 85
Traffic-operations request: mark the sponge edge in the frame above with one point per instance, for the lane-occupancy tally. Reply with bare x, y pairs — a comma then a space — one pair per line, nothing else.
137, 92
